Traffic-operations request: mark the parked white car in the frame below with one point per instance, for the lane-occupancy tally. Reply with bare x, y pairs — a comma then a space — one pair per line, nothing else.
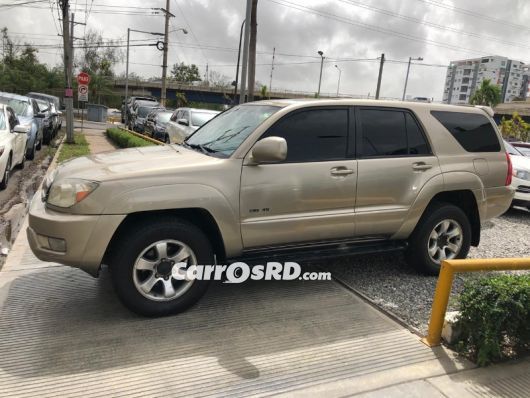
185, 121
13, 138
520, 176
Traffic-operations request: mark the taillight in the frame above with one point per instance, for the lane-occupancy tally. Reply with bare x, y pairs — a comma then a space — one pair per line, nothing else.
510, 170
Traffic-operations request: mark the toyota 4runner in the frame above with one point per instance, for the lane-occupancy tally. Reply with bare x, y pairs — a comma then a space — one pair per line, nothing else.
275, 180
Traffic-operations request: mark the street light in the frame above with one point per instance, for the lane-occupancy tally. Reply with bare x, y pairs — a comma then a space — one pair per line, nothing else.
338, 84
129, 30
176, 30
321, 65
407, 78
164, 57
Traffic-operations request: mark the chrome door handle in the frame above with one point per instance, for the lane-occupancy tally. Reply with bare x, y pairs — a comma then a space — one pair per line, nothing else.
420, 166
341, 171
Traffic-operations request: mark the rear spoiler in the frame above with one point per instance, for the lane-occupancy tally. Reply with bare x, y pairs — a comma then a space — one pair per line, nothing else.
486, 109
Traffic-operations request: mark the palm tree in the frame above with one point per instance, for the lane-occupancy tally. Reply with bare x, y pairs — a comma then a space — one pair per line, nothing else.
487, 94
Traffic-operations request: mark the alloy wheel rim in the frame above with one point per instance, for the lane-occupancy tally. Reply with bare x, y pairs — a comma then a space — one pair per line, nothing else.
445, 241
153, 270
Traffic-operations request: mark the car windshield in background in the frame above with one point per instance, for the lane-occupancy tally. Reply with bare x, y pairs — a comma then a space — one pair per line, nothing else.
199, 118
20, 107
42, 105
163, 117
143, 111
511, 149
224, 134
2, 120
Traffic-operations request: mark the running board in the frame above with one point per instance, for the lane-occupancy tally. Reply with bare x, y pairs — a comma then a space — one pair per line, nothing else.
309, 253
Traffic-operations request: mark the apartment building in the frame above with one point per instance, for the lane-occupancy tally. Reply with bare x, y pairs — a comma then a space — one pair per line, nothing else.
464, 76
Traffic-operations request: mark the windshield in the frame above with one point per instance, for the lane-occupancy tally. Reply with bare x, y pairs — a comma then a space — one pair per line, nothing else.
143, 111
199, 118
525, 151
229, 129
20, 107
42, 105
163, 117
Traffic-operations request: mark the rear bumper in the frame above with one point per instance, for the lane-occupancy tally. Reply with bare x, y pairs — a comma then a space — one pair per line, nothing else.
86, 236
496, 201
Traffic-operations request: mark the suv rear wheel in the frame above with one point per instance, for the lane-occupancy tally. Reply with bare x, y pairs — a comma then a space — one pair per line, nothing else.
143, 266
443, 233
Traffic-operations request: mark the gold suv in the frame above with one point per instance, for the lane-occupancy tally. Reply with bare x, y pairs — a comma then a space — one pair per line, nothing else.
275, 180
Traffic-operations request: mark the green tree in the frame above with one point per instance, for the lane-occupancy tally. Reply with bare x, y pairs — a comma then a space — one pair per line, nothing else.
264, 92
487, 94
185, 73
515, 128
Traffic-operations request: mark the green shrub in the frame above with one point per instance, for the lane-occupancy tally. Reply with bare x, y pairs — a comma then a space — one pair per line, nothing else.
79, 148
123, 139
495, 317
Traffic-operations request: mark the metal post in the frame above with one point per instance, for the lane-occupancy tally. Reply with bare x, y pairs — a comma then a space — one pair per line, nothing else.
238, 59
272, 70
338, 83
164, 60
406, 80
244, 66
70, 101
126, 118
380, 76
321, 66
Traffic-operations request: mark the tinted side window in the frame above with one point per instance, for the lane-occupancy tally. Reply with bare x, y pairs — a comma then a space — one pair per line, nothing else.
416, 141
473, 131
313, 135
13, 121
383, 133
174, 117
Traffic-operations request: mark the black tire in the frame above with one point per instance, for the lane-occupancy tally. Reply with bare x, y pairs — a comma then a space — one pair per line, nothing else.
31, 154
7, 171
166, 139
39, 145
127, 249
417, 253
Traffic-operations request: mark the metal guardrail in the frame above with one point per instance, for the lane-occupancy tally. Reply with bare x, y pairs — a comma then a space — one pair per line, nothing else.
445, 282
142, 136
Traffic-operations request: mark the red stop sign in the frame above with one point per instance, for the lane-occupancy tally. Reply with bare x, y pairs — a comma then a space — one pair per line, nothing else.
83, 78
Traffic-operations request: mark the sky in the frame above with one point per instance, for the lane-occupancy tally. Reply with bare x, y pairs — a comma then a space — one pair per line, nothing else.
351, 33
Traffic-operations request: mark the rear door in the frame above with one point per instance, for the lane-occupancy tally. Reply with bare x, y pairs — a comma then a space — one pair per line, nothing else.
311, 195
394, 162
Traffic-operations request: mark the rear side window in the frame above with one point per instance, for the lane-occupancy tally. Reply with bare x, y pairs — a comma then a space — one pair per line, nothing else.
313, 135
473, 131
388, 133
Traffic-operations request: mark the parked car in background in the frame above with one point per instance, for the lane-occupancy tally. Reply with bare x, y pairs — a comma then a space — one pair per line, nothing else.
282, 179
156, 125
13, 141
57, 118
57, 106
140, 116
126, 107
523, 147
29, 116
185, 121
48, 126
520, 175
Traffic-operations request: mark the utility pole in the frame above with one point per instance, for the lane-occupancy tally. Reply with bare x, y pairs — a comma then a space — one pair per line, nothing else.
244, 66
125, 106
238, 60
380, 76
321, 65
164, 61
252, 51
338, 83
272, 70
68, 63
407, 78
206, 76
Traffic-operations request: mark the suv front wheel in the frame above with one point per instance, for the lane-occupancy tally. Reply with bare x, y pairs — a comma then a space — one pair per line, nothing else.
443, 233
144, 266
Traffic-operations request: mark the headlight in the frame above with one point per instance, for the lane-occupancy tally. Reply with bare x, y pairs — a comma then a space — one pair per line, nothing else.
522, 174
70, 191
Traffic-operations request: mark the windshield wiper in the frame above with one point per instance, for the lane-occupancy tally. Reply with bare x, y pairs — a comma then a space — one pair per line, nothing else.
202, 148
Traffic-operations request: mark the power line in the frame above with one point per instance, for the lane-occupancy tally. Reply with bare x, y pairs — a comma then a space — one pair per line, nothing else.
21, 4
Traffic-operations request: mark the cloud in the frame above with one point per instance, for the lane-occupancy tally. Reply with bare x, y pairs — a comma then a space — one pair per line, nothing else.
297, 29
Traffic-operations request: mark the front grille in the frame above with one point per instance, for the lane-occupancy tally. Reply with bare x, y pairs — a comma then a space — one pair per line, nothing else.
523, 189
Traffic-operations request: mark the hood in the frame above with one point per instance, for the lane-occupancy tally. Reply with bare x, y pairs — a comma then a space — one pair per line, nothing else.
141, 162
520, 162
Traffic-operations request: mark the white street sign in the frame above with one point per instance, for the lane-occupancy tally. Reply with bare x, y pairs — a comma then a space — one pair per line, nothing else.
82, 93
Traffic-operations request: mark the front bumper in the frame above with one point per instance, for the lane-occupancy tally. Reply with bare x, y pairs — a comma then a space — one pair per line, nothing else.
522, 192
86, 236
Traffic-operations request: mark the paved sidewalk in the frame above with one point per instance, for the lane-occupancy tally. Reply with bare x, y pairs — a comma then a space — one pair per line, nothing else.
95, 136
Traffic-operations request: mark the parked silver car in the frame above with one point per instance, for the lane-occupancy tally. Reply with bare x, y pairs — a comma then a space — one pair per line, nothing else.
185, 121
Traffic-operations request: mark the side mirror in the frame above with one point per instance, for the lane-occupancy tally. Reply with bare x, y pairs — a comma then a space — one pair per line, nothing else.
269, 150
40, 115
20, 129
55, 114
184, 122
59, 113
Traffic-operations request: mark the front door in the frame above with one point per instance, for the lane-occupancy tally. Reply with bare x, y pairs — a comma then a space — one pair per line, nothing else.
394, 163
311, 195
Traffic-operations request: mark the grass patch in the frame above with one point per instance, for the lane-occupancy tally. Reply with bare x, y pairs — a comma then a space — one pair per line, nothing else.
123, 139
80, 148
